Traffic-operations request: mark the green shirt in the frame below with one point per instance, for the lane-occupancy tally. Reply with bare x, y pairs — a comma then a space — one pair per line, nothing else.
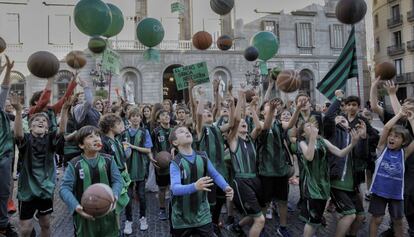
271, 153
6, 136
37, 177
243, 160
160, 141
138, 162
316, 183
346, 182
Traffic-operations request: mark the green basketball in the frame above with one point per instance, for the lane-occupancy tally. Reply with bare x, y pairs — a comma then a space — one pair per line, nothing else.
96, 45
150, 32
92, 17
266, 43
117, 22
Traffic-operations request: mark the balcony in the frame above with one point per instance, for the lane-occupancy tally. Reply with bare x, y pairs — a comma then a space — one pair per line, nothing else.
395, 21
181, 45
410, 46
396, 49
405, 78
410, 16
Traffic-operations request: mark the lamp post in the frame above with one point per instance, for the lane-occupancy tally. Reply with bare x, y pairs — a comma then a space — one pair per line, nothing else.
99, 77
254, 78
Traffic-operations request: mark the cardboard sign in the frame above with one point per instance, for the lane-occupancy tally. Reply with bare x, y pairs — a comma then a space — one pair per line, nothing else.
197, 72
111, 61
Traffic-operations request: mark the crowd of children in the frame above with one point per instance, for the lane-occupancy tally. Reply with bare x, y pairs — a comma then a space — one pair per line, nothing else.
234, 152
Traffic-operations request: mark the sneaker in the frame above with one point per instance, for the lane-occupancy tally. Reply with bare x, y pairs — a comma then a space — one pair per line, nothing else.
143, 225
11, 208
162, 215
283, 232
269, 215
10, 231
128, 227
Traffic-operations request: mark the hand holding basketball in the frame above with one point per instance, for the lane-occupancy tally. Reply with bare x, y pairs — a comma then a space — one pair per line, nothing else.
81, 212
391, 87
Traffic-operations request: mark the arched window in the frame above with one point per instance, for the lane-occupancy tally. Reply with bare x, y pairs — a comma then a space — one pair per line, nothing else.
62, 81
307, 82
18, 84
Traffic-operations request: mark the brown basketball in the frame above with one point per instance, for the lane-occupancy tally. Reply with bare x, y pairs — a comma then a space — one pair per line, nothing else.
163, 159
43, 64
350, 11
224, 42
3, 45
385, 70
249, 95
288, 81
202, 40
97, 200
76, 59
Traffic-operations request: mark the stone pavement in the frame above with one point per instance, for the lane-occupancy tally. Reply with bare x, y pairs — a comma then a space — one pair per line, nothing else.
62, 221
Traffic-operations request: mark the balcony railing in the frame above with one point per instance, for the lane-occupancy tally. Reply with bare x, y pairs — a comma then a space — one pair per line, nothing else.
395, 21
410, 45
410, 16
396, 49
390, 1
181, 45
405, 78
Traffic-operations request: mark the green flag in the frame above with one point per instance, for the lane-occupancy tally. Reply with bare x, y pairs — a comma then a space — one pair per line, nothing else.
345, 67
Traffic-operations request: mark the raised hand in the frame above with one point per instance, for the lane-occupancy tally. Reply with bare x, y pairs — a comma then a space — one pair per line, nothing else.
302, 103
391, 87
204, 183
82, 82
361, 129
339, 94
354, 137
216, 83
375, 81
15, 102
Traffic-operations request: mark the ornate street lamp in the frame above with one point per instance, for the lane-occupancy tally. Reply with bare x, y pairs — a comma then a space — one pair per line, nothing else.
254, 78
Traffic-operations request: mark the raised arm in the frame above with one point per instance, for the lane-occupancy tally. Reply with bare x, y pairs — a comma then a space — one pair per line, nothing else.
200, 111
392, 92
18, 121
257, 125
270, 115
69, 92
64, 115
217, 98
81, 110
295, 115
5, 85
269, 90
373, 98
191, 99
44, 98
236, 116
386, 130
410, 148
343, 152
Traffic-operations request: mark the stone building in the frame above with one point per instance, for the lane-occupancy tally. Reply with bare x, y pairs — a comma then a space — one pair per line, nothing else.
311, 39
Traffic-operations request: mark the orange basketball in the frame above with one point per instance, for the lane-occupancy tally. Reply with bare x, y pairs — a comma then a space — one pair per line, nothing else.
97, 200
163, 159
76, 59
202, 40
288, 81
43, 64
385, 70
3, 45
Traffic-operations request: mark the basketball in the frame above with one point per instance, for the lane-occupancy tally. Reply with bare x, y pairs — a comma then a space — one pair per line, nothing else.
96, 45
97, 200
288, 81
202, 40
249, 95
221, 7
224, 42
43, 64
163, 159
76, 59
350, 11
385, 70
251, 53
3, 45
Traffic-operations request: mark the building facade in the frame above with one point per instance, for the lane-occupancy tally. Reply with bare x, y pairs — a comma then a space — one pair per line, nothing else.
311, 39
393, 22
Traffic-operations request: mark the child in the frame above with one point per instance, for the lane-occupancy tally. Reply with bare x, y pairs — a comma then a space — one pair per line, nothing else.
388, 180
37, 177
316, 186
89, 168
192, 175
6, 153
139, 140
160, 138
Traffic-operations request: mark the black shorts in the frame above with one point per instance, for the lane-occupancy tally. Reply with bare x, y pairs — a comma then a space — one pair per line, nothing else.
248, 196
371, 166
347, 203
162, 180
202, 231
312, 211
275, 188
215, 194
28, 209
378, 204
408, 204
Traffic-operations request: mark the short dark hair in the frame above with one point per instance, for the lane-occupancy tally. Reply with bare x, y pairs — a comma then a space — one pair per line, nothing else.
134, 112
42, 114
173, 136
115, 108
401, 130
108, 121
159, 112
353, 98
35, 98
84, 132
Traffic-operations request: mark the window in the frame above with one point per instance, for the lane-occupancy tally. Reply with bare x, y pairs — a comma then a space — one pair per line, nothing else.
397, 40
61, 24
337, 36
377, 45
306, 77
395, 12
18, 83
399, 66
375, 2
271, 26
62, 81
12, 28
376, 21
304, 36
